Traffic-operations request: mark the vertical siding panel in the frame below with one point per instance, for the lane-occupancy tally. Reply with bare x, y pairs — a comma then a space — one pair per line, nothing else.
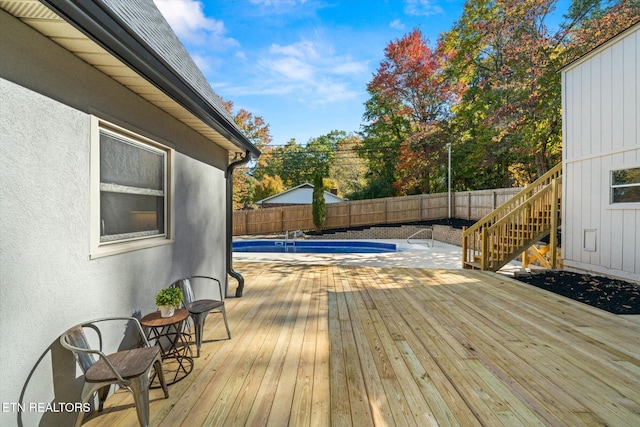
629, 244
576, 241
605, 221
567, 220
616, 239
617, 92
594, 207
607, 102
576, 124
595, 106
585, 205
630, 100
605, 256
585, 110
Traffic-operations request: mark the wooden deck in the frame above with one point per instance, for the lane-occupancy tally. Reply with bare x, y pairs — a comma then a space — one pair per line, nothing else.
365, 346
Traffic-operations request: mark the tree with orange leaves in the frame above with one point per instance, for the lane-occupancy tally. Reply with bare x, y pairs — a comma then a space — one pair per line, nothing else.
411, 98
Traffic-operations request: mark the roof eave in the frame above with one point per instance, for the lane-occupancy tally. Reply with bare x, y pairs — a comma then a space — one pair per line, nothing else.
107, 30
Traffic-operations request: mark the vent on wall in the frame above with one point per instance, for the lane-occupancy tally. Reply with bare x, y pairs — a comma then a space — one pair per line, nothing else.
589, 239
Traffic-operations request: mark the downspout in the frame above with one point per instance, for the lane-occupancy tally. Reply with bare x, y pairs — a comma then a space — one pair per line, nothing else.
230, 270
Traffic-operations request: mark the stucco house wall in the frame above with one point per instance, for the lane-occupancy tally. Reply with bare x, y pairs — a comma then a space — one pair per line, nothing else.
48, 282
601, 117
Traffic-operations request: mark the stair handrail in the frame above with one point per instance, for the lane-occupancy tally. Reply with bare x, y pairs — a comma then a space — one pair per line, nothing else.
420, 231
527, 203
544, 180
547, 190
472, 236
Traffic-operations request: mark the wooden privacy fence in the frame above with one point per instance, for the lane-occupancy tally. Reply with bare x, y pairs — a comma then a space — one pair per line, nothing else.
470, 205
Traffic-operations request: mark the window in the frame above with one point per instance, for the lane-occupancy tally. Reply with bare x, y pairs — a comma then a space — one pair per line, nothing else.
130, 197
625, 186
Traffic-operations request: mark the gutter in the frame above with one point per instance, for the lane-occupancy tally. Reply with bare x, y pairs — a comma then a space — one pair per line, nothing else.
97, 22
229, 252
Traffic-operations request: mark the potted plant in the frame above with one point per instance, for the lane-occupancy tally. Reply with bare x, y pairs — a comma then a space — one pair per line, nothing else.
167, 300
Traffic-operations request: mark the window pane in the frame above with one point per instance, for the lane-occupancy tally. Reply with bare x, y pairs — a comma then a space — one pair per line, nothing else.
123, 214
626, 176
124, 163
626, 194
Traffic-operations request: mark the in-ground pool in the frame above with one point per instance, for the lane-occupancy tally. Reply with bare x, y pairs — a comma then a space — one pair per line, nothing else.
313, 246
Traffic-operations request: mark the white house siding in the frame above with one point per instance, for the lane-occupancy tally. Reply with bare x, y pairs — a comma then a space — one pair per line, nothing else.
299, 196
48, 283
600, 94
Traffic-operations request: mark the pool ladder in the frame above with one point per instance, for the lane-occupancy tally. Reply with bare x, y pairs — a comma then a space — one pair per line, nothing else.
292, 243
429, 229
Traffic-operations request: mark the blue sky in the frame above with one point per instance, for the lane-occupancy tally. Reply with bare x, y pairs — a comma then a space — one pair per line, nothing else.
303, 65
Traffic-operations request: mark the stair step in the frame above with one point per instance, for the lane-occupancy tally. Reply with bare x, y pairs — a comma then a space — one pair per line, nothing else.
472, 265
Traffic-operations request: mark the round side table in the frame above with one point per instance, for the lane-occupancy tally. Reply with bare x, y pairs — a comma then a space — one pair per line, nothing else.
168, 334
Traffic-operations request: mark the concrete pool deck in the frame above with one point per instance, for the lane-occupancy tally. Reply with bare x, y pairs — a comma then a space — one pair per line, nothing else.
414, 255
409, 255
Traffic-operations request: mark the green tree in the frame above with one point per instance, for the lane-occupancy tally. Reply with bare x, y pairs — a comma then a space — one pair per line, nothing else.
347, 169
318, 203
509, 121
297, 164
409, 110
268, 186
257, 131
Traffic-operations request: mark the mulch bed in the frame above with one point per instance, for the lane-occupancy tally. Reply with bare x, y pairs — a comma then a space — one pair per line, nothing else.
614, 296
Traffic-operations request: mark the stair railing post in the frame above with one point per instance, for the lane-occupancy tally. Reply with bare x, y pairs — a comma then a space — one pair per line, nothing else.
554, 223
465, 255
484, 257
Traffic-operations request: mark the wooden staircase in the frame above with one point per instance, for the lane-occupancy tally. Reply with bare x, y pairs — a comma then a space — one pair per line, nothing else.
515, 227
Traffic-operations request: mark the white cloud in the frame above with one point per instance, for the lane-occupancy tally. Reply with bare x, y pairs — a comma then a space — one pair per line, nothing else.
397, 24
290, 68
309, 70
301, 49
421, 8
187, 19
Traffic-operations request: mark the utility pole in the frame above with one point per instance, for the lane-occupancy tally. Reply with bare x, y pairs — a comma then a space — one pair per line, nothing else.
449, 180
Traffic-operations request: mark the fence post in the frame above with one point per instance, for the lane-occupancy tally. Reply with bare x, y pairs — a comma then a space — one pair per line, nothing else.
386, 210
469, 205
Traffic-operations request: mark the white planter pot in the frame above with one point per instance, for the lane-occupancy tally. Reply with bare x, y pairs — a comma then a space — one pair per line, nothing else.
166, 310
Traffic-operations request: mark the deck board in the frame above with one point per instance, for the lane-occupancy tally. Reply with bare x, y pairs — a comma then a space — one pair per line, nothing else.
342, 345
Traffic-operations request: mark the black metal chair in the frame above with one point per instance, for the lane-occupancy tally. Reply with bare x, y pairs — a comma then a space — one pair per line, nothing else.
127, 368
199, 309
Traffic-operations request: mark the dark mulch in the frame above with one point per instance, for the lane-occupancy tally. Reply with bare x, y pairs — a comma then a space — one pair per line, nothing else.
614, 296
453, 222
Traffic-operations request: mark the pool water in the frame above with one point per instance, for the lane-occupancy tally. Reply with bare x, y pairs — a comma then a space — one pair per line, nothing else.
313, 246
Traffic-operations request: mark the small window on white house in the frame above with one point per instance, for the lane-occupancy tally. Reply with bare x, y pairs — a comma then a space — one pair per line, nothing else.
130, 203
625, 186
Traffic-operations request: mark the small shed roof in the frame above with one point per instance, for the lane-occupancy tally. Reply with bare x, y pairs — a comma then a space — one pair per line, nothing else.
301, 195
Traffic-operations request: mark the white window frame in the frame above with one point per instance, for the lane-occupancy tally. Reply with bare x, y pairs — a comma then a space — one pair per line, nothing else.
129, 243
613, 186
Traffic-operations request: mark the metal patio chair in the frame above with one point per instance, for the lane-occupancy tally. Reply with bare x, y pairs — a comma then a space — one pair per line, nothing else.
127, 368
199, 309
